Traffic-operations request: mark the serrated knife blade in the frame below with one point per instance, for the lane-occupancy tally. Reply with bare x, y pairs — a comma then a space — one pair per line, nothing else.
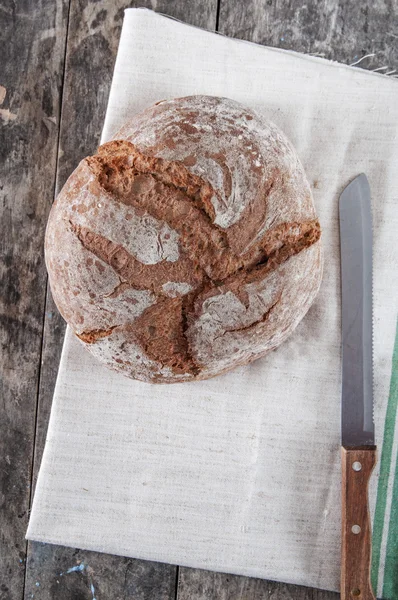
357, 427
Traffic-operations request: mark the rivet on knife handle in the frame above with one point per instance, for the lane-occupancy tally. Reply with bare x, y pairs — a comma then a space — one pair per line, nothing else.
357, 466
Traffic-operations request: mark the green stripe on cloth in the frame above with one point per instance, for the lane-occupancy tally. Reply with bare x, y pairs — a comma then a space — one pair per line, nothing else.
390, 583
390, 587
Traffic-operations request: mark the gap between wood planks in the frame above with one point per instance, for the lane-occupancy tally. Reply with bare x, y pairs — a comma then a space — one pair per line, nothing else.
45, 301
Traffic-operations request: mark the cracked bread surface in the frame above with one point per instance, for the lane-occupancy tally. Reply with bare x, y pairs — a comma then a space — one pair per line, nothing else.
188, 245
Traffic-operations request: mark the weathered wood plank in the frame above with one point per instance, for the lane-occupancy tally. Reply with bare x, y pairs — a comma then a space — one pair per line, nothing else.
339, 30
322, 595
195, 584
60, 573
31, 35
93, 35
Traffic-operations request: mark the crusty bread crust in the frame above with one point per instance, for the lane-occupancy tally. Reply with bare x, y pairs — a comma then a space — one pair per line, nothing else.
187, 245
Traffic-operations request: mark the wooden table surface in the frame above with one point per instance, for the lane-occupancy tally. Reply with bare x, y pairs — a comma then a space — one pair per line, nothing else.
56, 63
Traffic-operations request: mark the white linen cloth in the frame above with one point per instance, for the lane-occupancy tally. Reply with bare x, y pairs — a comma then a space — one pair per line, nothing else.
240, 473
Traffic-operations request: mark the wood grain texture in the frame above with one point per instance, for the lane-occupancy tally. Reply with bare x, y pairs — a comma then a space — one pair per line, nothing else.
60, 573
93, 36
357, 465
324, 595
31, 35
336, 29
195, 584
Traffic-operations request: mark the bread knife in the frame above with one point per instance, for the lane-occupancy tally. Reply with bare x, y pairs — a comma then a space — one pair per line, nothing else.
357, 426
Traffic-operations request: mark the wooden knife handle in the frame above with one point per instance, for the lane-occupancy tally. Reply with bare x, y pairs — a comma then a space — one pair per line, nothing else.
356, 543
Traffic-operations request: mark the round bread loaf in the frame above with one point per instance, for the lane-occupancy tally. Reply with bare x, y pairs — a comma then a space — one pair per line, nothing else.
188, 244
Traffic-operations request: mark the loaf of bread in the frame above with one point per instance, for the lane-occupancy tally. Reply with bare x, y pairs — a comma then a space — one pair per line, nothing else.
188, 245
